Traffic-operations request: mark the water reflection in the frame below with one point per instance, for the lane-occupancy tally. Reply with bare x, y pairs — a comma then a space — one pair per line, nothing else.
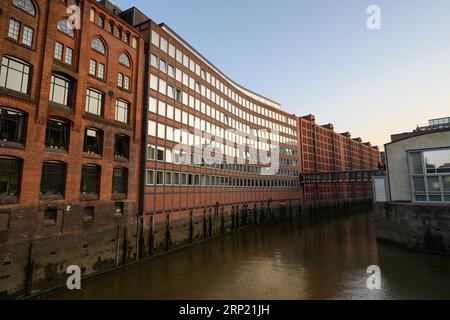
325, 258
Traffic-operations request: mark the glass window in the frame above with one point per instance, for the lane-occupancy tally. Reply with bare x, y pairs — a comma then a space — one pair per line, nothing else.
176, 179
93, 141
120, 181
60, 90
10, 170
122, 146
437, 161
122, 109
160, 154
151, 152
57, 135
127, 83
168, 178
120, 80
53, 180
26, 5
125, 60
27, 37
15, 75
160, 178
59, 51
98, 45
94, 102
14, 29
69, 56
150, 178
90, 180
12, 125
101, 71
92, 67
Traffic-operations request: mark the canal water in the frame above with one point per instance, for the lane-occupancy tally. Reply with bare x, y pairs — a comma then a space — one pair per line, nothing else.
324, 258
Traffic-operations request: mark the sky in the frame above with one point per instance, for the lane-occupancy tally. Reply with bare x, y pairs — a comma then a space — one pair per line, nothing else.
318, 56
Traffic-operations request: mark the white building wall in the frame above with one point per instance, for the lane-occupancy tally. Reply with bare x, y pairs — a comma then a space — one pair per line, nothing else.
397, 161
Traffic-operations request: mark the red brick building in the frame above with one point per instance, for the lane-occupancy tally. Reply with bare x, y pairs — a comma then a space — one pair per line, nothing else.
70, 112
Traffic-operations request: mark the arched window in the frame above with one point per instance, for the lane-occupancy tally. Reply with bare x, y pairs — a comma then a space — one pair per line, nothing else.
65, 26
98, 45
125, 60
25, 5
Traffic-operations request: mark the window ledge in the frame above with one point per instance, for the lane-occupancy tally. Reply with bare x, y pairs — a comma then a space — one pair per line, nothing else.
92, 155
12, 145
121, 159
51, 197
5, 199
59, 107
60, 151
17, 95
118, 196
89, 197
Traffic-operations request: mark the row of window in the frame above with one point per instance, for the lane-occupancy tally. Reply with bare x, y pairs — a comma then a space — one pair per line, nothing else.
15, 75
160, 85
13, 125
16, 32
181, 58
170, 178
167, 155
242, 138
54, 176
109, 26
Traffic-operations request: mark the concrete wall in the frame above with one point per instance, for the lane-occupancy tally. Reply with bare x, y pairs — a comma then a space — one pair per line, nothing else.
396, 154
416, 226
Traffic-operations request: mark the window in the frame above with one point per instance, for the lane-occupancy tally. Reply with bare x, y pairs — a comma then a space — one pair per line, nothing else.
65, 26
176, 179
50, 215
69, 56
101, 22
119, 208
110, 27
151, 152
101, 71
53, 181
126, 84
12, 125
150, 178
15, 75
125, 60
57, 135
159, 178
122, 109
92, 67
120, 80
93, 141
90, 180
122, 146
94, 102
160, 154
98, 46
27, 38
14, 29
60, 90
59, 47
430, 175
10, 171
120, 181
25, 5
168, 178
89, 214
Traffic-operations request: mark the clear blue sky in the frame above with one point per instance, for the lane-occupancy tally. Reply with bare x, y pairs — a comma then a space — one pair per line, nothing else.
317, 56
